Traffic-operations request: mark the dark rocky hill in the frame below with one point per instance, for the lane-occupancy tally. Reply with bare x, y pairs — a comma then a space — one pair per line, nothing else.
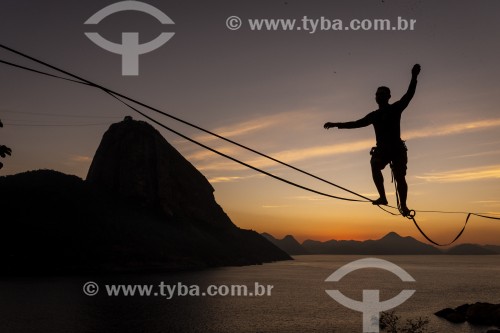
142, 207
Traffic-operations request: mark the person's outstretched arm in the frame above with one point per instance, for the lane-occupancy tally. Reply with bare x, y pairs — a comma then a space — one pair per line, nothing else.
363, 122
405, 100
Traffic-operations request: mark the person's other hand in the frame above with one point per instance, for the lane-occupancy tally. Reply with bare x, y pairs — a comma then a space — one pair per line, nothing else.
330, 125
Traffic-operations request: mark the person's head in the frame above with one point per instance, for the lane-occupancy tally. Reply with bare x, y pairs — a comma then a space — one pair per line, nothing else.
382, 95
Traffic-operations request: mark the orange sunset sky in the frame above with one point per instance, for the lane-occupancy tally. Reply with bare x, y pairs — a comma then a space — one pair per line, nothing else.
273, 91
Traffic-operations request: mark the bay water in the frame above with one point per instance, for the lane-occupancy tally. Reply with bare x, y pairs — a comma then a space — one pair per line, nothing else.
297, 301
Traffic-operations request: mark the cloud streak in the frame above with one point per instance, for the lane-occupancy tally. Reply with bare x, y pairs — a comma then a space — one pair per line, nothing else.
80, 158
463, 175
231, 179
214, 180
255, 125
453, 129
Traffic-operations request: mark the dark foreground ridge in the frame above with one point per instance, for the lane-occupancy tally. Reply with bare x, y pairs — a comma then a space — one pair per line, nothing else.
481, 314
142, 207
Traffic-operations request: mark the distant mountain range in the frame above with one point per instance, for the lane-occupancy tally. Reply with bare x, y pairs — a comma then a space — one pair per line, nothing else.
390, 244
288, 244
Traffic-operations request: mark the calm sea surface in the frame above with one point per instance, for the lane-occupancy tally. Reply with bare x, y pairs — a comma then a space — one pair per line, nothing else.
298, 302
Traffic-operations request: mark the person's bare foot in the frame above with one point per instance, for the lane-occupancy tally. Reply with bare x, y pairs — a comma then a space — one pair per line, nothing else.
380, 201
405, 211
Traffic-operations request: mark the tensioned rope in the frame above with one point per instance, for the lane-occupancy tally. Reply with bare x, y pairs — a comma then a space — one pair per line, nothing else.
81, 80
118, 97
230, 157
60, 115
56, 125
78, 79
121, 97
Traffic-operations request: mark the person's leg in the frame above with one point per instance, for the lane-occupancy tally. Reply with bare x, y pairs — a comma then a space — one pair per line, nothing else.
377, 166
399, 170
402, 188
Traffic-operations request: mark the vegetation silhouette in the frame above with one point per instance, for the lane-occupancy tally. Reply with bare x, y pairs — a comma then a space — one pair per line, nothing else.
4, 150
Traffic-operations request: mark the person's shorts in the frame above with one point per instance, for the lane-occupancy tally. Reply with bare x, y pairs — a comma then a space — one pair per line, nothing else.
397, 156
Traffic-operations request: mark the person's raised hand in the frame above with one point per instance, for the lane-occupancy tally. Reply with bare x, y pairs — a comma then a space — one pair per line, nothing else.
415, 70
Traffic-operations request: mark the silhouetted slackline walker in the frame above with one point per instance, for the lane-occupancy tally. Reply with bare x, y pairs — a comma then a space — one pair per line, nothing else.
390, 149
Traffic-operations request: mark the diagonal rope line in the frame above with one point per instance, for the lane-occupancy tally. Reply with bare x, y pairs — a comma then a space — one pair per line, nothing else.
117, 97
230, 157
40, 72
181, 121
